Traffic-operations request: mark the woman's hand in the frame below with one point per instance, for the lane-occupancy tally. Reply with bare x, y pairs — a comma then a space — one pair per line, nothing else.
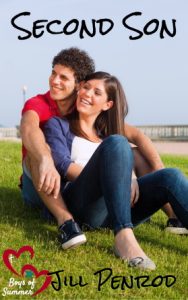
134, 192
73, 171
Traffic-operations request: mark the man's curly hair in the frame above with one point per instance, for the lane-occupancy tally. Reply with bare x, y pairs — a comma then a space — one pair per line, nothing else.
77, 60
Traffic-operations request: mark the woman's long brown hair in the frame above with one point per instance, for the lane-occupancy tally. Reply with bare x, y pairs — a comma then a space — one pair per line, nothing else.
110, 121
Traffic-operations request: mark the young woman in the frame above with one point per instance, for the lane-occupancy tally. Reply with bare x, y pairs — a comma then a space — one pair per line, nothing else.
93, 156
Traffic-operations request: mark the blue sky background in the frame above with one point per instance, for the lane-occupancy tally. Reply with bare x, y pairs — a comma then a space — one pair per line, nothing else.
153, 71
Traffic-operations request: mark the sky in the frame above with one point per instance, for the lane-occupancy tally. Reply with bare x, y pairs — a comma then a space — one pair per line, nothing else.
152, 70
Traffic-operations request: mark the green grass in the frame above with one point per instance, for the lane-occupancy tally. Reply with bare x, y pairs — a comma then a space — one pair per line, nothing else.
19, 227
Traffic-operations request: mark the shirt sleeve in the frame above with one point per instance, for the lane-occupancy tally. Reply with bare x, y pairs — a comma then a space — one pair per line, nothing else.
35, 105
55, 133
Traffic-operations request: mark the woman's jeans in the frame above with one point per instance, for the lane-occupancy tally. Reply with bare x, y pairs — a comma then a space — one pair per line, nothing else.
100, 195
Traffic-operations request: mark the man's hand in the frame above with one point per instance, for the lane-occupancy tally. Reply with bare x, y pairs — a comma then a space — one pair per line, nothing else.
134, 192
49, 178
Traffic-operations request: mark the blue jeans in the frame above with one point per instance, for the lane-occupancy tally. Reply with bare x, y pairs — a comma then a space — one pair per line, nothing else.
31, 197
100, 195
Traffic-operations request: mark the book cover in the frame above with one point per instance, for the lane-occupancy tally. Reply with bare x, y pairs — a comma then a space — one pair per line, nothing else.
144, 44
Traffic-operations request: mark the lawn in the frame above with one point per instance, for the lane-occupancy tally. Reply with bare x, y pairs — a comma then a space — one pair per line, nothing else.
84, 269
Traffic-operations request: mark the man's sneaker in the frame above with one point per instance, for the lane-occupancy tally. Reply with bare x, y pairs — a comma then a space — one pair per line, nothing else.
176, 227
70, 235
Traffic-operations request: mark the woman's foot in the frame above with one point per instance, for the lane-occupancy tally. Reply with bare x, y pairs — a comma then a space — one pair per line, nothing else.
127, 245
127, 248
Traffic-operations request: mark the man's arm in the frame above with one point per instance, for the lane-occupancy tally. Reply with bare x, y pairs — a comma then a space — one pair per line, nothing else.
32, 136
38, 150
145, 146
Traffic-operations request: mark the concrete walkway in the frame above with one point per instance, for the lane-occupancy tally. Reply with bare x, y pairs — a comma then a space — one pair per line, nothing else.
177, 148
10, 139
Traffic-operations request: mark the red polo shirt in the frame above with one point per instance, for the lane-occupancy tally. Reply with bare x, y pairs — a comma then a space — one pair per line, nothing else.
44, 106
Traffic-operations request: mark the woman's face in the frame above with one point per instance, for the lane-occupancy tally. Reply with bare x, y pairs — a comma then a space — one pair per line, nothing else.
92, 98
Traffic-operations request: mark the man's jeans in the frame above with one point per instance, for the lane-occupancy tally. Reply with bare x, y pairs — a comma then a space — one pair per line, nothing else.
32, 198
100, 195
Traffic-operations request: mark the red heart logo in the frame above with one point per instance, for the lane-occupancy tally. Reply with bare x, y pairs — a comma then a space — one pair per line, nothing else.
8, 252
38, 274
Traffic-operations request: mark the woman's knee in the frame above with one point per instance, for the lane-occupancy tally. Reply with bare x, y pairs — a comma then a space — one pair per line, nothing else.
117, 141
118, 148
171, 176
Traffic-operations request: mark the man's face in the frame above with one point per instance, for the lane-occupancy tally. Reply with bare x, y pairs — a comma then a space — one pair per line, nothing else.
62, 82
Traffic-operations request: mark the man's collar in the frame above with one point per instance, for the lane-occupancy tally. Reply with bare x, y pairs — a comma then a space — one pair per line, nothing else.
53, 104
55, 107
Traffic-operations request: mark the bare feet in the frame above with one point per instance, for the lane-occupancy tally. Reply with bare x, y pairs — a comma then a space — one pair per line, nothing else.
127, 245
128, 249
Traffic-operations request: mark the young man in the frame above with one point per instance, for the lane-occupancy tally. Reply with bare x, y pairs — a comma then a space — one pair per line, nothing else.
41, 181
40, 178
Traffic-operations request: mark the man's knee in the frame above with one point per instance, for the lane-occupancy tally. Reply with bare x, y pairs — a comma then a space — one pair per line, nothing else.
29, 193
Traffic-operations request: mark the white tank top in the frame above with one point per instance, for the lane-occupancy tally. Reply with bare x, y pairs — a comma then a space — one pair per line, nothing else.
82, 150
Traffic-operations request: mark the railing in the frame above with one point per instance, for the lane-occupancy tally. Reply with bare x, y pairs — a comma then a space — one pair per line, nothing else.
155, 132
166, 132
9, 132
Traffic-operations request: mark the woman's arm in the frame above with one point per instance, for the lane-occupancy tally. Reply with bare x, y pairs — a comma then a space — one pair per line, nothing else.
145, 146
55, 134
55, 131
73, 171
